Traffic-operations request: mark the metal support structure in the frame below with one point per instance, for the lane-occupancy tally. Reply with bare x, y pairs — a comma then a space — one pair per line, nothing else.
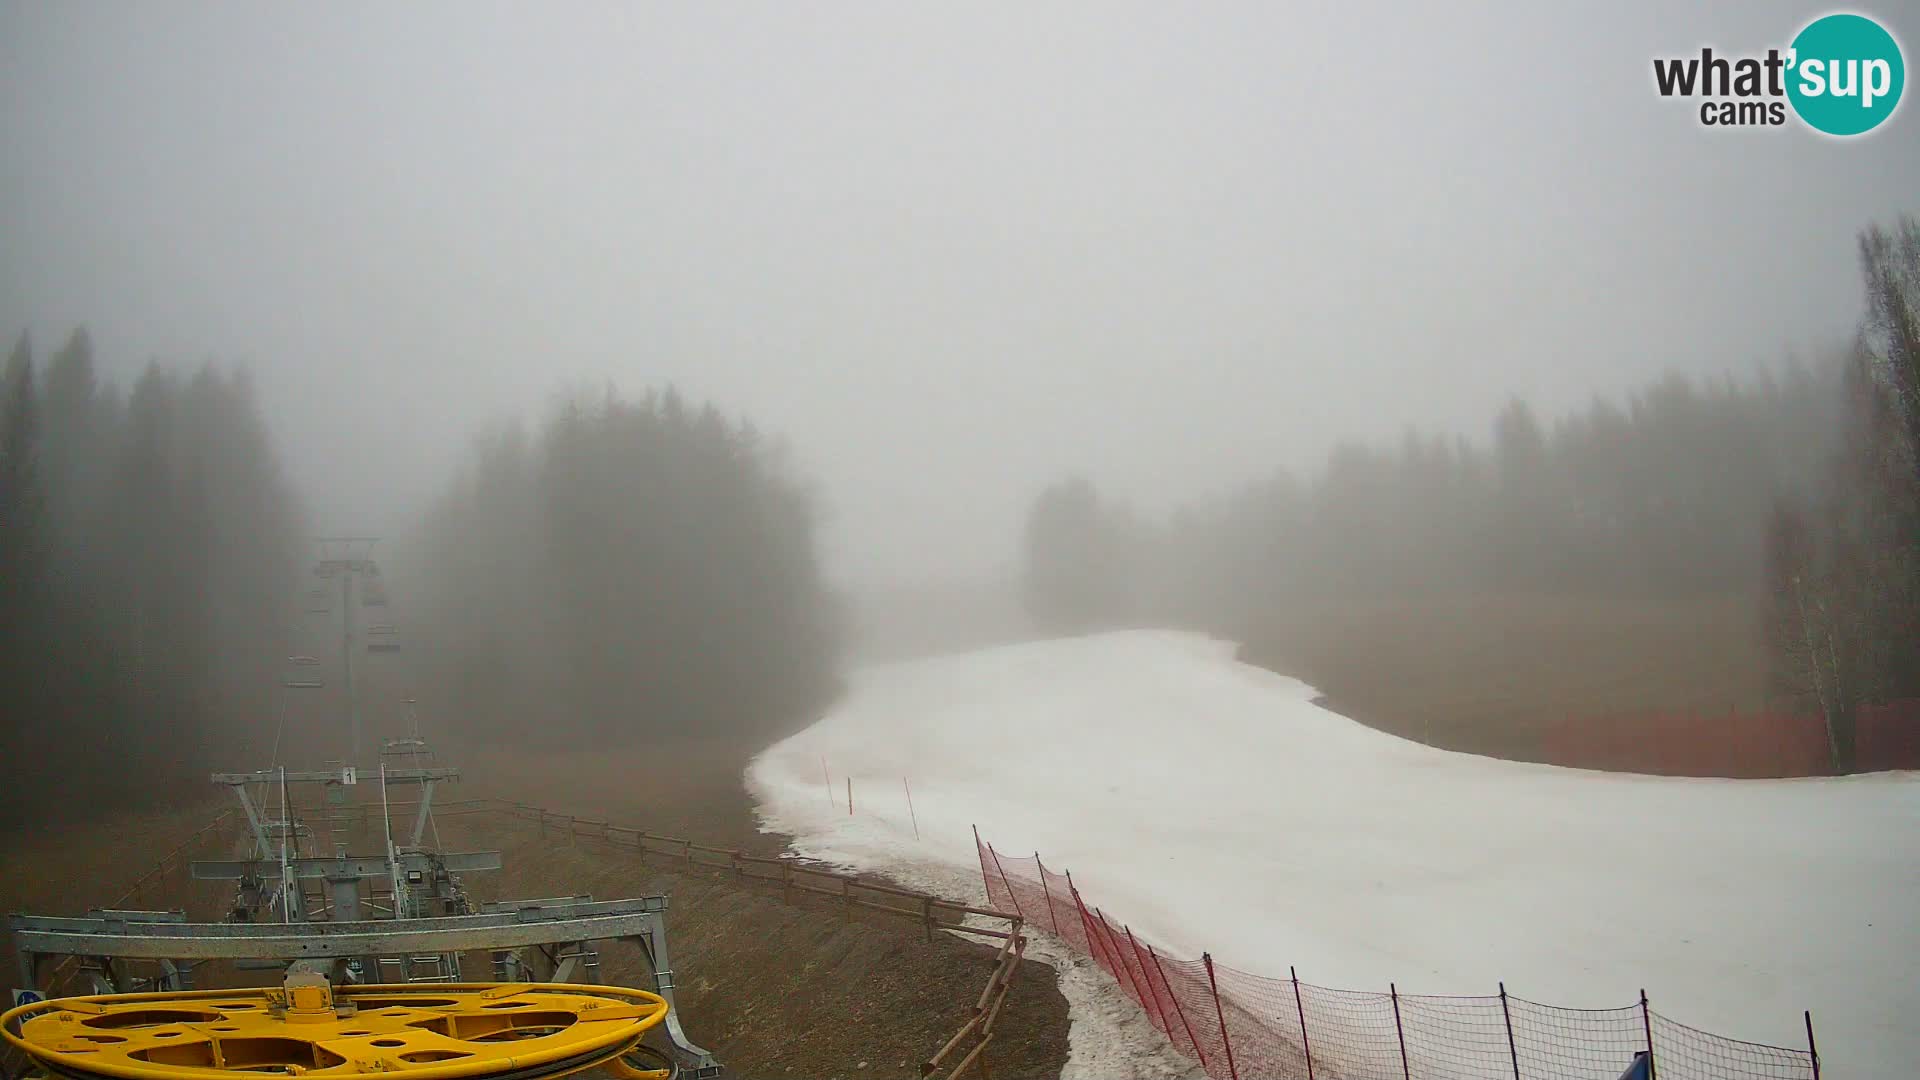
349, 558
346, 660
332, 776
426, 809
260, 846
566, 927
335, 781
654, 947
314, 869
414, 930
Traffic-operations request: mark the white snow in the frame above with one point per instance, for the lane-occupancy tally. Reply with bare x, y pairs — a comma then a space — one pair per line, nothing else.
1211, 805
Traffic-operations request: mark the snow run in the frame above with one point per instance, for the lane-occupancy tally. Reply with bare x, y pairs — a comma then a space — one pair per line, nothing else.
1214, 807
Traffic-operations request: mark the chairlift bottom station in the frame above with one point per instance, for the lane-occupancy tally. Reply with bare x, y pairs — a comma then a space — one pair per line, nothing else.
369, 948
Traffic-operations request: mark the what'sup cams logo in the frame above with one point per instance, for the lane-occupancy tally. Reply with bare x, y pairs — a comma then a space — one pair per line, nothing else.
1842, 75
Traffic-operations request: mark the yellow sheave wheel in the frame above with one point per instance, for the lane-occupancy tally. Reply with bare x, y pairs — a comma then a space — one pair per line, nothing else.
430, 1031
643, 1063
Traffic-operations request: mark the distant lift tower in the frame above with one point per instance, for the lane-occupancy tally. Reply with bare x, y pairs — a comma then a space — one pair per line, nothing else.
350, 558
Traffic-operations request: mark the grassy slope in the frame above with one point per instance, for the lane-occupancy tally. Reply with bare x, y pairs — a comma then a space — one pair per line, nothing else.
1484, 674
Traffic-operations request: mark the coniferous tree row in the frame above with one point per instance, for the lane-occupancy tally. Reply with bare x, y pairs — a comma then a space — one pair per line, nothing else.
637, 571
1843, 559
1801, 489
148, 546
1667, 492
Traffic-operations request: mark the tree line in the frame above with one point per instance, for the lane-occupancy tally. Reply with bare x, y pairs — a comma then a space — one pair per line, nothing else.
147, 547
636, 570
1660, 493
1798, 486
1843, 558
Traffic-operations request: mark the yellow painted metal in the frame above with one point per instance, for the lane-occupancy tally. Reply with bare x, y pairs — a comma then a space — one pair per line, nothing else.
429, 1031
641, 1063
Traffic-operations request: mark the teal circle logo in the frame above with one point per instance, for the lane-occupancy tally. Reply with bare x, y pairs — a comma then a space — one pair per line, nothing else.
1845, 74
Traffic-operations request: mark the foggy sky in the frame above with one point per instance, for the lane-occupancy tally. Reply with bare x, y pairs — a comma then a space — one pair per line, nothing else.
948, 254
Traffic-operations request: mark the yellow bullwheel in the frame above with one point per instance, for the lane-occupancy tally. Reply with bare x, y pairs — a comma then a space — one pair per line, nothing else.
443, 1031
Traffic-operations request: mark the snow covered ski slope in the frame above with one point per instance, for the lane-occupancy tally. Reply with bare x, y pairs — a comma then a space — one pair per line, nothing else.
1211, 805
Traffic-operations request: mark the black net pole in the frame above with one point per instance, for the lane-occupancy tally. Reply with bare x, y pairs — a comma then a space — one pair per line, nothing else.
1507, 1014
1047, 892
1646, 1021
1220, 1016
1305, 1049
1406, 1071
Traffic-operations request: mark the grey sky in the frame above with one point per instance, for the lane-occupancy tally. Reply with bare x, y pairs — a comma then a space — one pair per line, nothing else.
949, 252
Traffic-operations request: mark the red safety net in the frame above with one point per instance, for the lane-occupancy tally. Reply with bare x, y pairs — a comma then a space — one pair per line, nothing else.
1241, 1026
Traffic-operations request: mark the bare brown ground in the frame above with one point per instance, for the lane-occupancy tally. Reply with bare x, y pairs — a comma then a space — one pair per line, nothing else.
691, 788
1487, 674
774, 989
791, 989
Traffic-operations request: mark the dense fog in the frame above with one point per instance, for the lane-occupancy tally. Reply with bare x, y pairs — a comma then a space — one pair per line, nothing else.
681, 358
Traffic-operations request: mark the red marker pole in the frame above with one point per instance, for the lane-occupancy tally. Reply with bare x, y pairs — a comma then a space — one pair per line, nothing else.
910, 813
829, 778
849, 796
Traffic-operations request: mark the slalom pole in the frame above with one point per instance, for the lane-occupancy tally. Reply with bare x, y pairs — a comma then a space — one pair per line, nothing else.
829, 778
849, 796
910, 813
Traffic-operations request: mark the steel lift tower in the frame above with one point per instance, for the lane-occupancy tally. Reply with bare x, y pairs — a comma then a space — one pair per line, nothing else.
371, 962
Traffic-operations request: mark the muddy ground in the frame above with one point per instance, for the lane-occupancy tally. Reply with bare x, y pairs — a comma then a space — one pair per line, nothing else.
773, 988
